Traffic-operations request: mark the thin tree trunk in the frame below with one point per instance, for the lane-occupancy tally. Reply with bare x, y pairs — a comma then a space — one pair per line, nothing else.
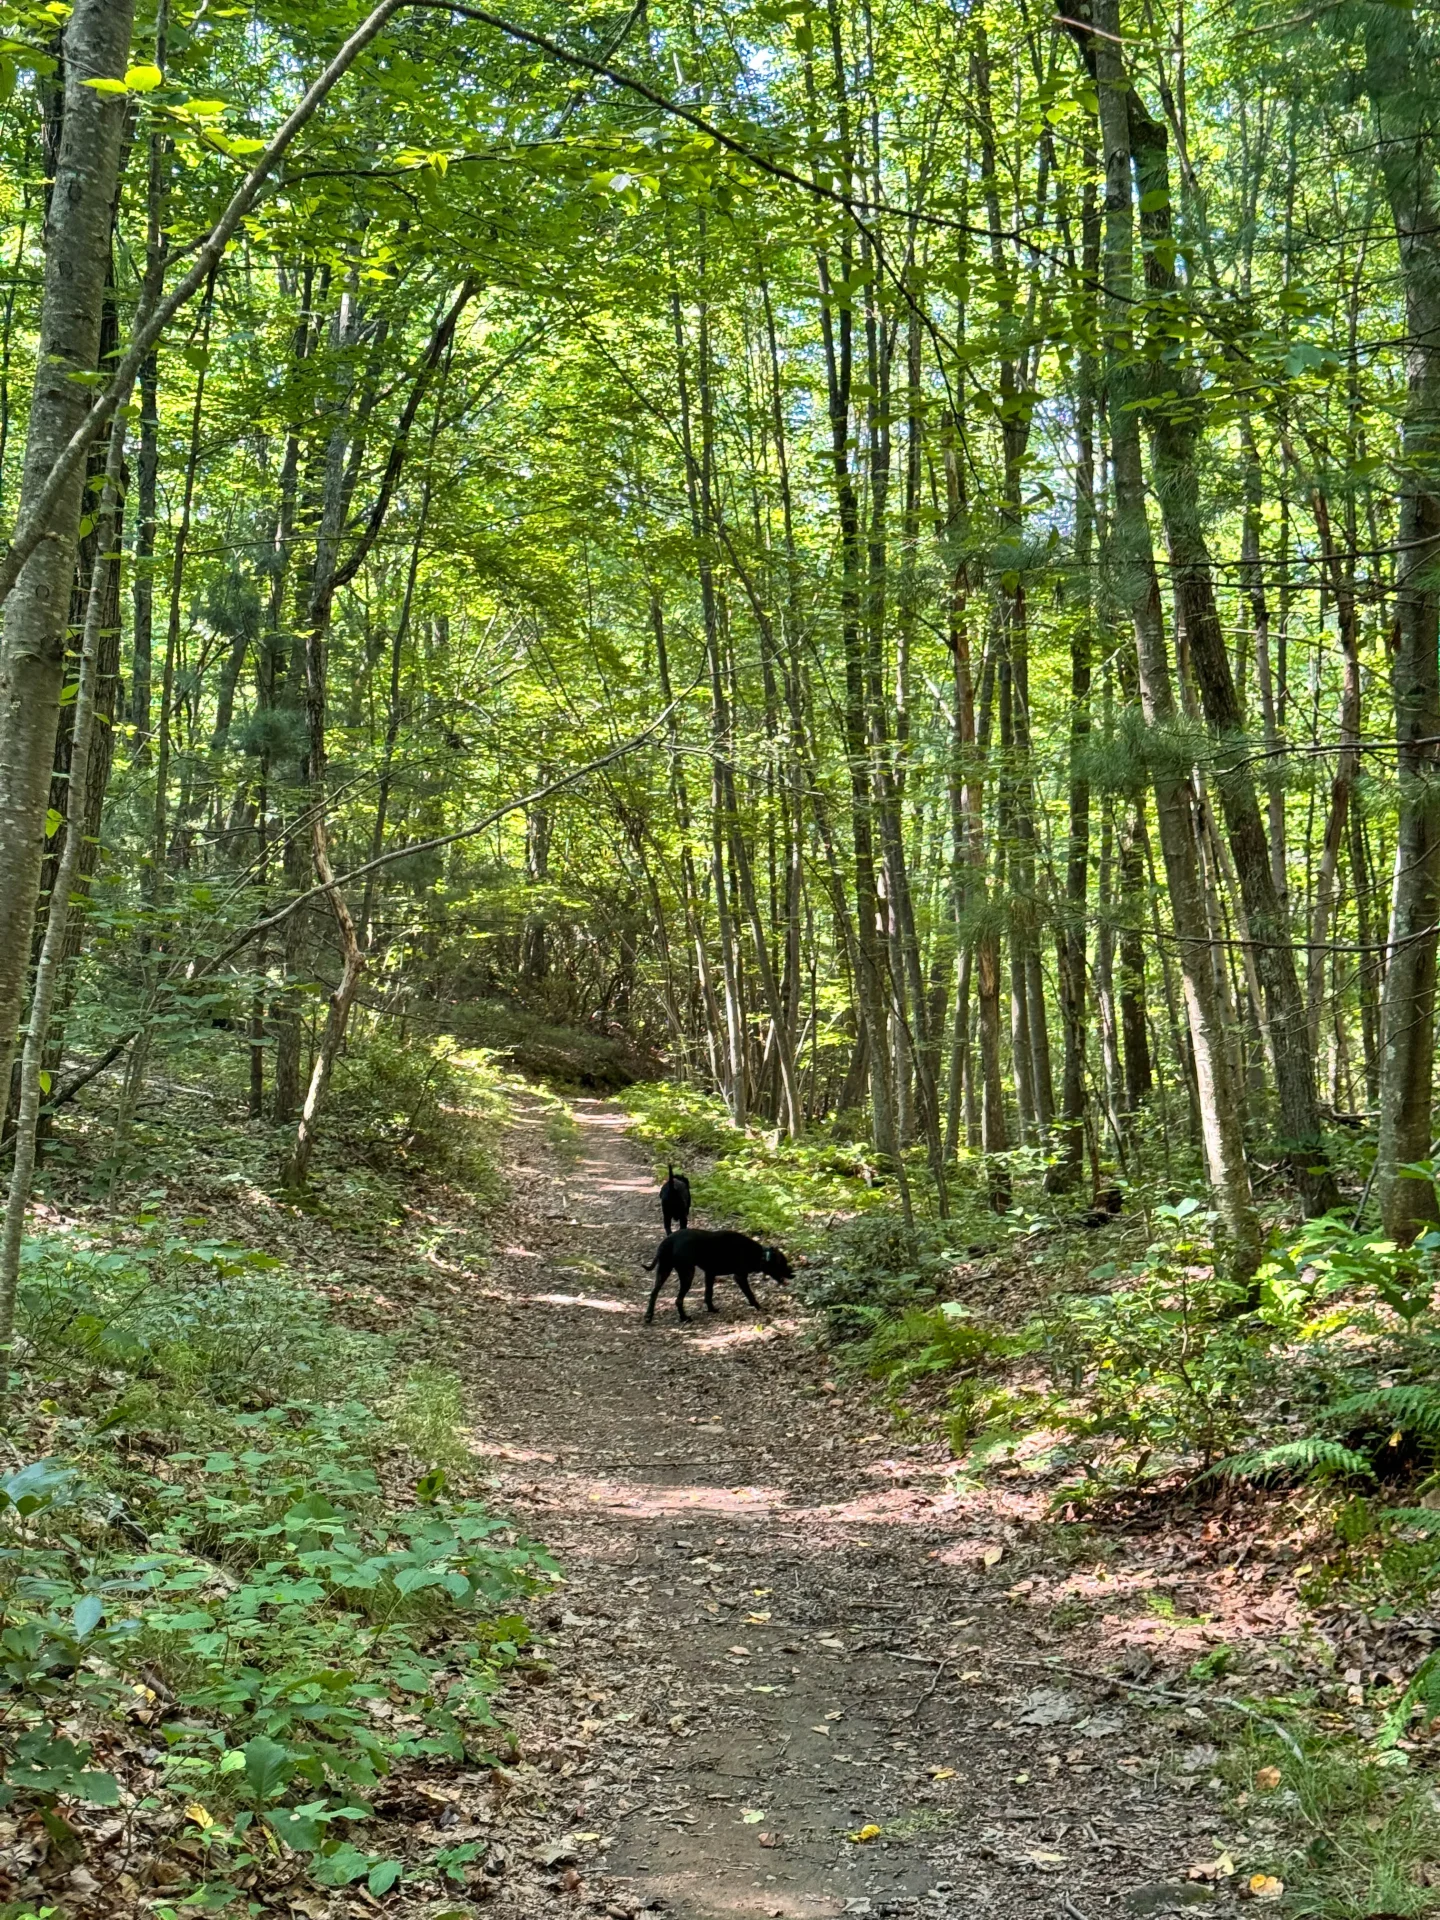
1132, 568
1397, 70
32, 644
1175, 435
52, 951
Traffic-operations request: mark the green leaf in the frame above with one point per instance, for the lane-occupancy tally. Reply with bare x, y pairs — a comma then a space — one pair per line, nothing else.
107, 86
384, 1875
54, 820
144, 79
89, 1610
268, 1766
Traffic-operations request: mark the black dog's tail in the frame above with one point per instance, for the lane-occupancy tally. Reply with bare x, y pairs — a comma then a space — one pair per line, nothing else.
650, 1265
669, 1171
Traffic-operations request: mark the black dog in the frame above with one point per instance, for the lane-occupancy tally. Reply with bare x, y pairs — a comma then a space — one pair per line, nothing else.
675, 1201
719, 1256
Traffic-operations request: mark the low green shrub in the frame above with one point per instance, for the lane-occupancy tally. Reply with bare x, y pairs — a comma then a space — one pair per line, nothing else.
677, 1121
406, 1103
924, 1341
874, 1267
1158, 1375
769, 1185
258, 1568
190, 1316
581, 1059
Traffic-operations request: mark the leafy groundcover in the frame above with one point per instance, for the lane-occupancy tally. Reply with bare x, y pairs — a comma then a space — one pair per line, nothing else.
242, 1599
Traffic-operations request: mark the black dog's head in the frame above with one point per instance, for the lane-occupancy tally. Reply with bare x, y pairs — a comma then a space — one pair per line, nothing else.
777, 1267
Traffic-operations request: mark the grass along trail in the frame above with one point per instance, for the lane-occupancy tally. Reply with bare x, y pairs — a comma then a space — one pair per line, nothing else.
795, 1673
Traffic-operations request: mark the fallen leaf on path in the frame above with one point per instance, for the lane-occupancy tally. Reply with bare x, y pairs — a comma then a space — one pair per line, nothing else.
756, 1619
993, 1556
942, 1773
1219, 1868
741, 1653
201, 1816
1264, 1886
824, 1730
1267, 1779
752, 1816
769, 1839
863, 1835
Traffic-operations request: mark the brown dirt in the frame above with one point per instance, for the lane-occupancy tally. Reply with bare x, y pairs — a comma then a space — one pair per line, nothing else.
777, 1626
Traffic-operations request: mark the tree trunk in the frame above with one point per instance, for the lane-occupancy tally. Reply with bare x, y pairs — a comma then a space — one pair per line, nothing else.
1132, 569
53, 948
32, 645
1175, 434
1397, 74
1069, 1166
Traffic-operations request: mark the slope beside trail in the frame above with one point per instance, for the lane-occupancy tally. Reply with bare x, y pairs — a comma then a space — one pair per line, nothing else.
778, 1626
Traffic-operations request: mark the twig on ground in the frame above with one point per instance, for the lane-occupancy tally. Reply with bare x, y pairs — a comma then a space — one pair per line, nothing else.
1205, 1700
911, 1711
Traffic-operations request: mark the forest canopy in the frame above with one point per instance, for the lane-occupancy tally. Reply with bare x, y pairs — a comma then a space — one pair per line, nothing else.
882, 555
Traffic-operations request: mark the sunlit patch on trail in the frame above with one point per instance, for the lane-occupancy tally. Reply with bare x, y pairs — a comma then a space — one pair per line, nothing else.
750, 1336
494, 1450
651, 1502
597, 1301
521, 1253
787, 1903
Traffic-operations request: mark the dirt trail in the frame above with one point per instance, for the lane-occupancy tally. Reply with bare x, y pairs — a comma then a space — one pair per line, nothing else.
777, 1629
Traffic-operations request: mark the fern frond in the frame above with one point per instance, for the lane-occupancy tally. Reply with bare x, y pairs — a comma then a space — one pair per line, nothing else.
1415, 1408
1312, 1455
1418, 1519
1423, 1690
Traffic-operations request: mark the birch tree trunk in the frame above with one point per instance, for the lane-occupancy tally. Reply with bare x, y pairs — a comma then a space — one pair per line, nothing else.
32, 641
53, 947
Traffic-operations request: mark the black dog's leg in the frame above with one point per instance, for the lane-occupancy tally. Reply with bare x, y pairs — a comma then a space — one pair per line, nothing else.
661, 1276
687, 1274
743, 1280
710, 1293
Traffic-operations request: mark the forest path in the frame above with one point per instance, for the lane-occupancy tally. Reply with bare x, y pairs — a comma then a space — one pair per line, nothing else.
776, 1629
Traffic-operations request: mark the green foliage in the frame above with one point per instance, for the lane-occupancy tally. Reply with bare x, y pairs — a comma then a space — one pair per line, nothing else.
425, 1416
560, 1054
875, 1266
678, 1120
189, 1317
406, 1103
243, 1553
768, 1185
1159, 1374
1352, 1830
1314, 1263
924, 1341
